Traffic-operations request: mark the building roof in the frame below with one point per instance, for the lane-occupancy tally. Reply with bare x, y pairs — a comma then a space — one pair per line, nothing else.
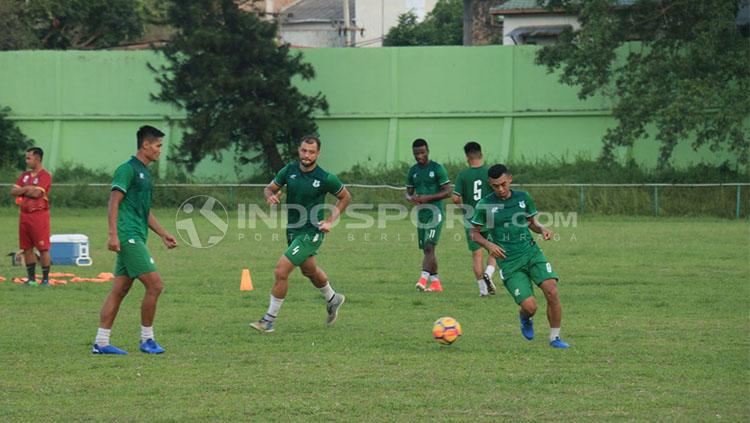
317, 11
515, 7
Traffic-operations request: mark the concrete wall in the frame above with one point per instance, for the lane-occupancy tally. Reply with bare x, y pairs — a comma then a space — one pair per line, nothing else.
85, 107
323, 34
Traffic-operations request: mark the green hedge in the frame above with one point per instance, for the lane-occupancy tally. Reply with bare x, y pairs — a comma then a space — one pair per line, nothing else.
720, 201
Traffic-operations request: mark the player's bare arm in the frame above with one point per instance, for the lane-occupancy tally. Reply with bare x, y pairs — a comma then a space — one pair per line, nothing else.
445, 192
537, 227
115, 198
343, 199
411, 197
456, 199
30, 191
494, 249
272, 192
155, 226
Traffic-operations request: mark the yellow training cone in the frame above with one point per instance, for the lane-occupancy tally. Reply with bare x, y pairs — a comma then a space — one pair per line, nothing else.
246, 284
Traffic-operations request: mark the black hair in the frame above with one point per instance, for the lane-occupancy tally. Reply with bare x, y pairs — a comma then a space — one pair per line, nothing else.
473, 148
419, 142
497, 171
36, 151
147, 132
311, 138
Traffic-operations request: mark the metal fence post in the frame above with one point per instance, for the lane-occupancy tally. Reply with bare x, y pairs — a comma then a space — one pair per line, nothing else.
656, 200
582, 200
739, 197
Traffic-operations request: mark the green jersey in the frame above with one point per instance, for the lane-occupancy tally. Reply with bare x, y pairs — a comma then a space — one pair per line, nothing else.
471, 185
506, 221
306, 191
427, 180
133, 179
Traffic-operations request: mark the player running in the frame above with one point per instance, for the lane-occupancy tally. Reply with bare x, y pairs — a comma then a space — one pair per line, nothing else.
471, 186
307, 186
427, 184
129, 216
508, 215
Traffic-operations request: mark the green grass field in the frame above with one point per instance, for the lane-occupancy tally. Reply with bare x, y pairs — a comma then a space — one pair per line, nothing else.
657, 312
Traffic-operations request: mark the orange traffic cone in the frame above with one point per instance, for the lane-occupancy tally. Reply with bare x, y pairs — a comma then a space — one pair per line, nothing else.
246, 284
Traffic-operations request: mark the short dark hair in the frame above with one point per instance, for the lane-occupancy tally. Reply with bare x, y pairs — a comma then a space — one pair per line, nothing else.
473, 148
311, 138
36, 151
147, 132
497, 171
419, 142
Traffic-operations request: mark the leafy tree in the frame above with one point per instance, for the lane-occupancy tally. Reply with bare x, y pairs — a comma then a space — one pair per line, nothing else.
16, 32
688, 74
229, 73
85, 24
13, 143
442, 26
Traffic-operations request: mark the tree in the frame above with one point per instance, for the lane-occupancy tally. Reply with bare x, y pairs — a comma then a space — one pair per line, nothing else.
442, 26
13, 143
234, 80
17, 34
688, 73
85, 24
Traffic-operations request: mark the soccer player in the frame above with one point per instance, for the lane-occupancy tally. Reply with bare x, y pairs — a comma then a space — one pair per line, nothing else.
307, 186
129, 215
427, 184
31, 191
508, 215
471, 186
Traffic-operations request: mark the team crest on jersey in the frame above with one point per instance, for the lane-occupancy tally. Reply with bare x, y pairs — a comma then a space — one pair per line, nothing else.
316, 183
142, 175
432, 174
25, 178
522, 204
35, 181
293, 176
495, 209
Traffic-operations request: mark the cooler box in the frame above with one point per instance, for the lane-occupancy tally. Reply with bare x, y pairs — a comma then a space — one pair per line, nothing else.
70, 249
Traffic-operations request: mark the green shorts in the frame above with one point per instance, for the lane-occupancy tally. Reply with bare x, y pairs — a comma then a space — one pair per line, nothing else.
429, 228
302, 245
518, 273
473, 246
134, 260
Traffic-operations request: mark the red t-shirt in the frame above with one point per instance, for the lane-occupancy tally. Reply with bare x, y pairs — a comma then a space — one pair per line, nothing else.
43, 181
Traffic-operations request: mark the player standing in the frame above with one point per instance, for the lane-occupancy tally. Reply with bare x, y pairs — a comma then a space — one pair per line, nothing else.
129, 217
31, 191
427, 184
307, 186
471, 186
508, 215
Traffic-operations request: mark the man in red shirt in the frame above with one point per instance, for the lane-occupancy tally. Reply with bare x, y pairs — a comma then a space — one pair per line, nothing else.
31, 190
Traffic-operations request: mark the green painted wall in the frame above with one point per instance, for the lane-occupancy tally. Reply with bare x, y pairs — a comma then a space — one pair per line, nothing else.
86, 106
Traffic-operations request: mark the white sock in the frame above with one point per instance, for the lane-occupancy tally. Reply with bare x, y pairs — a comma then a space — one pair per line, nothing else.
273, 308
490, 270
102, 337
482, 287
434, 277
554, 333
327, 291
147, 332
424, 275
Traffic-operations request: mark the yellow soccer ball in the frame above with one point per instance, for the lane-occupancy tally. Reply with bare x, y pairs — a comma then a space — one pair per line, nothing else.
446, 330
